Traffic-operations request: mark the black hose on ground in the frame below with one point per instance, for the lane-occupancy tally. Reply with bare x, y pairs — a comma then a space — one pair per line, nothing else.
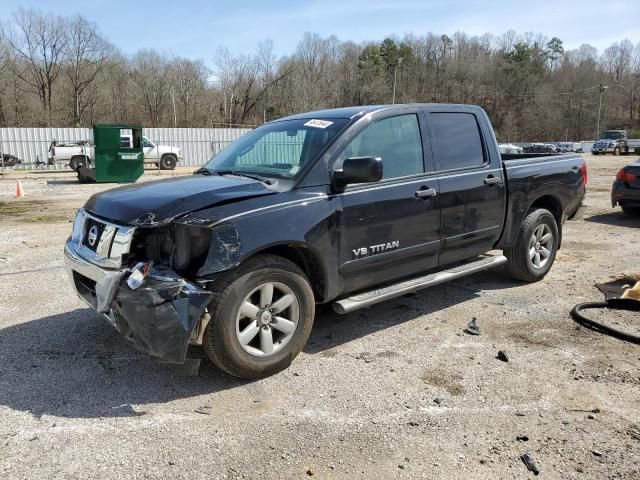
599, 327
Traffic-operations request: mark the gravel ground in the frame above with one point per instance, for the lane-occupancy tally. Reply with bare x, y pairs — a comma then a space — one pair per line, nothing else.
393, 391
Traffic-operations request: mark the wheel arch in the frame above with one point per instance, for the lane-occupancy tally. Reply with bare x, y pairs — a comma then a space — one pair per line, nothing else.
81, 156
553, 204
305, 259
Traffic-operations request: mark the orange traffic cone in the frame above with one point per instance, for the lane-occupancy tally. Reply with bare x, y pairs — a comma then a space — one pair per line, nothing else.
19, 191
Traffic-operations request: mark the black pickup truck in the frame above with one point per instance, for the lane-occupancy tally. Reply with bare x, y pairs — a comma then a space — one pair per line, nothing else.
350, 206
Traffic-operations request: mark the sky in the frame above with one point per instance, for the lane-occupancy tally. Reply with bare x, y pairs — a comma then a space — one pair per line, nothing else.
196, 30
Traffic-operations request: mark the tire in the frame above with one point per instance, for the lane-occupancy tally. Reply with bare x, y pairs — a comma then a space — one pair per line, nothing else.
630, 210
168, 162
521, 263
78, 161
595, 153
244, 285
616, 151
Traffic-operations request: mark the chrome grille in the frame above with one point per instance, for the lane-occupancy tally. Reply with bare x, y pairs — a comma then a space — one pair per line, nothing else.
106, 244
93, 230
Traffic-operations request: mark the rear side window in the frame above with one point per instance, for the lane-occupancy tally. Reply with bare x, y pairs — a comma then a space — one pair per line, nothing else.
458, 140
396, 140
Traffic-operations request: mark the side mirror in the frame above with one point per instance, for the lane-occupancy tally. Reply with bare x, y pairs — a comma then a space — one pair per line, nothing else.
358, 170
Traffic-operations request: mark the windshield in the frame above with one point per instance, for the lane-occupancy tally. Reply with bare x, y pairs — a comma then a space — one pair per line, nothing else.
278, 149
611, 135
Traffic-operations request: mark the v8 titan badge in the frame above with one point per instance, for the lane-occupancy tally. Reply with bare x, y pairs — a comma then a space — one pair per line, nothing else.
375, 249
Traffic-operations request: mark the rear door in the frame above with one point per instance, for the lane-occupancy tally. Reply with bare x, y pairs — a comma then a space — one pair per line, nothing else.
472, 189
389, 229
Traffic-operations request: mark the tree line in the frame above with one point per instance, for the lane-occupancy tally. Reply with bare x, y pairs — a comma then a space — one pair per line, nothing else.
62, 71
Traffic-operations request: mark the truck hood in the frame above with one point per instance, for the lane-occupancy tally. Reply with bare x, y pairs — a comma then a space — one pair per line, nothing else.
157, 202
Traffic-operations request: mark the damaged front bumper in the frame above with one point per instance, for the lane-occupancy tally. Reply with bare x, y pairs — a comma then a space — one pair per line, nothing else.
159, 317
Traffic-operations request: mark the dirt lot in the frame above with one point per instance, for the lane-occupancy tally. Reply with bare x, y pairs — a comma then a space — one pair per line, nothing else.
394, 391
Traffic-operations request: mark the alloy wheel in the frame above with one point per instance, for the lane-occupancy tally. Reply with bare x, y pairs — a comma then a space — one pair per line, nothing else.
267, 319
541, 246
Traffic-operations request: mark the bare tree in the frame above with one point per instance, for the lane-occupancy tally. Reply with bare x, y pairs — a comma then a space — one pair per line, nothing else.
61, 70
150, 74
38, 41
86, 56
188, 82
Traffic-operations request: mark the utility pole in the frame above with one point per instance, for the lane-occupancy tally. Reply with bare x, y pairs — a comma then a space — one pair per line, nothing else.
173, 102
395, 76
602, 88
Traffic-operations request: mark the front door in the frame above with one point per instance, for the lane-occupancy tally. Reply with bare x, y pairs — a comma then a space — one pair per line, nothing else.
390, 229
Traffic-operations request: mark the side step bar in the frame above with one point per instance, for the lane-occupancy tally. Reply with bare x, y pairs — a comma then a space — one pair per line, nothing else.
371, 297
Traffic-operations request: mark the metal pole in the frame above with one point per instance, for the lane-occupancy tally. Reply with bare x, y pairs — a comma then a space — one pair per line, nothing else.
395, 72
2, 155
602, 89
173, 101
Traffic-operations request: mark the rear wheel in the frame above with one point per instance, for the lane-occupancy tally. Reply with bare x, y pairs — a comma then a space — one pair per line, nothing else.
168, 162
261, 317
535, 250
78, 161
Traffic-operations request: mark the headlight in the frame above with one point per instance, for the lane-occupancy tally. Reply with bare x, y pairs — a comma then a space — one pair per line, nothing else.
78, 226
611, 144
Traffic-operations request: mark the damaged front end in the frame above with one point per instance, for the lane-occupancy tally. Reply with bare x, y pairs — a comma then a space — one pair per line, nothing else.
139, 278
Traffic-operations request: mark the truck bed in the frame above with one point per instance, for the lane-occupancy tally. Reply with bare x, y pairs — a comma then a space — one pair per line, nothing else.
556, 179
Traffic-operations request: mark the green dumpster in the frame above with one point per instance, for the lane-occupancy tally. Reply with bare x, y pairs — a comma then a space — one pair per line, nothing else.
118, 153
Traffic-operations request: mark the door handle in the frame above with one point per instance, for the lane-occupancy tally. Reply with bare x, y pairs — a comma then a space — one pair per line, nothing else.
491, 180
426, 192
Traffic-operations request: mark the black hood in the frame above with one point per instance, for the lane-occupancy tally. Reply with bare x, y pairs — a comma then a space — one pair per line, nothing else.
160, 201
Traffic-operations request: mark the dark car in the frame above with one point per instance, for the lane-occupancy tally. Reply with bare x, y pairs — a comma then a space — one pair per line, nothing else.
626, 189
9, 160
350, 206
540, 148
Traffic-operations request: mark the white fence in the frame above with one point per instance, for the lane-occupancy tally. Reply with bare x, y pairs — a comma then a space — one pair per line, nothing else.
197, 144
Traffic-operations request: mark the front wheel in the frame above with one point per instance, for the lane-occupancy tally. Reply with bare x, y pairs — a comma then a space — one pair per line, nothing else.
261, 317
616, 151
531, 258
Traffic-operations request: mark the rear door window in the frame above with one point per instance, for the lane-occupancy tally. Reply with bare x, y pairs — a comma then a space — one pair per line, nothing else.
458, 140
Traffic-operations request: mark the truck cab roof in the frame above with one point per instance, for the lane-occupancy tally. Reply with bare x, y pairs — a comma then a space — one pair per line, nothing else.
353, 113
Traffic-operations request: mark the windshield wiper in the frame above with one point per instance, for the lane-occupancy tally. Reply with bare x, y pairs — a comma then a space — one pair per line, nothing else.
240, 174
203, 171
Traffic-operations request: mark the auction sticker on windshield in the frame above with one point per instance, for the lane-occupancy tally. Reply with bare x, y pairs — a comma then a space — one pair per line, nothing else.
318, 123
